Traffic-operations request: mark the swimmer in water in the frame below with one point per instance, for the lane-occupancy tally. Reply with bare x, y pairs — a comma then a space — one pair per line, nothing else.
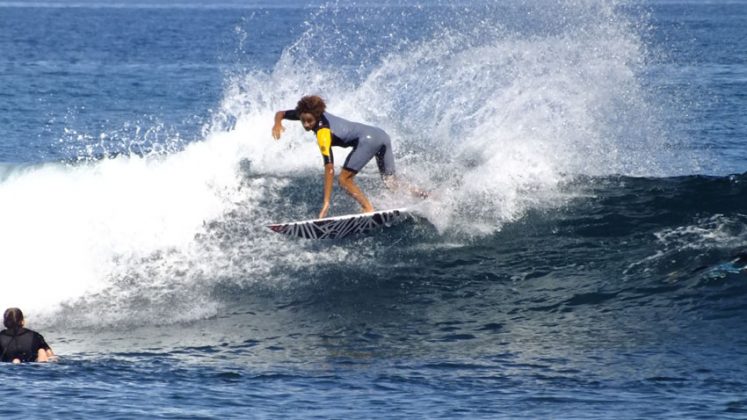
19, 344
367, 142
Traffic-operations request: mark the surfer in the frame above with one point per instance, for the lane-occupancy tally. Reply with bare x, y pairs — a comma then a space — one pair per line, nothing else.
19, 344
367, 142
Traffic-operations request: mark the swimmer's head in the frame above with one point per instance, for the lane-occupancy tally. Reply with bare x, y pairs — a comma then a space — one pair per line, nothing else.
13, 318
310, 110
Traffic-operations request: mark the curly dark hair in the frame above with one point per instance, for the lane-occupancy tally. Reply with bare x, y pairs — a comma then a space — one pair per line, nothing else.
312, 104
13, 318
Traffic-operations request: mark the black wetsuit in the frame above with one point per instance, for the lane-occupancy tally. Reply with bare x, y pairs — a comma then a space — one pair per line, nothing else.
22, 344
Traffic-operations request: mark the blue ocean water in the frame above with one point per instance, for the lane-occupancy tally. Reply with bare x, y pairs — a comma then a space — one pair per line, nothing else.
584, 254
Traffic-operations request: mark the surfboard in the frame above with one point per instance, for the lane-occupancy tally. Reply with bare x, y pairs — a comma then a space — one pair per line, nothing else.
342, 226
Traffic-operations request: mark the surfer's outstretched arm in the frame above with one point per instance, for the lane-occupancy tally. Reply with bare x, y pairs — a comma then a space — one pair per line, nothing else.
329, 176
324, 139
277, 129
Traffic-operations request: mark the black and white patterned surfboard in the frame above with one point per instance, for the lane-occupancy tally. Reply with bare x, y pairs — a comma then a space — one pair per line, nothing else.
341, 226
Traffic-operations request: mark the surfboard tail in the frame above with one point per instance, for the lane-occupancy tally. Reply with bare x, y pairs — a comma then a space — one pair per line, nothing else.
277, 228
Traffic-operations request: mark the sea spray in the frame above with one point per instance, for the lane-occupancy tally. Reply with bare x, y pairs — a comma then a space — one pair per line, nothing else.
491, 107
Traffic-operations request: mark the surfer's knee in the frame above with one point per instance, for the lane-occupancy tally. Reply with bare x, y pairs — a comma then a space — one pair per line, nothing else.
345, 179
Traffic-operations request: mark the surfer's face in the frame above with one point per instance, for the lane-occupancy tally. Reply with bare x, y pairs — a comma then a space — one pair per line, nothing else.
308, 121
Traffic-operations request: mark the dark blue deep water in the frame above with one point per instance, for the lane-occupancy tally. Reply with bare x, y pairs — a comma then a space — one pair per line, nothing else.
583, 253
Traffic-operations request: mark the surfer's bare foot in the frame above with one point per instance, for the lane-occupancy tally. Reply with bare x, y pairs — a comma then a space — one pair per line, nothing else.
418, 193
394, 183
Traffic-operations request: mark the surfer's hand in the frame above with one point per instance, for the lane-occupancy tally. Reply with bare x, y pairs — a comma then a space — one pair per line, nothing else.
324, 211
277, 131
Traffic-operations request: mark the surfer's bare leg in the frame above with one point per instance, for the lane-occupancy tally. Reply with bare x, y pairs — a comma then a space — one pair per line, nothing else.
348, 184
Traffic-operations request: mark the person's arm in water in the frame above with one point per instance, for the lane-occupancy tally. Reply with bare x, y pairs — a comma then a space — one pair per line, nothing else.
44, 352
45, 355
324, 138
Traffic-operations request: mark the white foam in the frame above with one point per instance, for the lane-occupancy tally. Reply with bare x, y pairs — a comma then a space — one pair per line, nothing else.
64, 227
